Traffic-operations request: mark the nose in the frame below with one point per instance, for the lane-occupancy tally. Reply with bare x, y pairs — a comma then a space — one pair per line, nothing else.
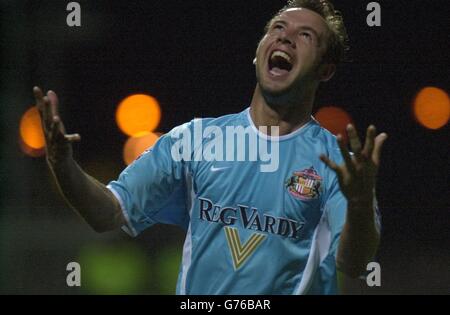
286, 38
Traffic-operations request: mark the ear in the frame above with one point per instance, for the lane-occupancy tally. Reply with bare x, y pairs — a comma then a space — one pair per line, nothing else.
327, 72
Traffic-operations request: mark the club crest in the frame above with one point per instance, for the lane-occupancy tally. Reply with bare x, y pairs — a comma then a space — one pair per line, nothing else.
305, 185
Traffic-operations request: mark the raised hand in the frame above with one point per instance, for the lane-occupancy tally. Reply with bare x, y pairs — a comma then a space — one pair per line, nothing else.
357, 176
58, 143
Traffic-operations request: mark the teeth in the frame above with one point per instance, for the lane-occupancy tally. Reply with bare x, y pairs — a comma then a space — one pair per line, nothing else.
282, 55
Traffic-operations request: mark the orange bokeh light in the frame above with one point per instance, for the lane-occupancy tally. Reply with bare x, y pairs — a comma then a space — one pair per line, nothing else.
31, 129
135, 146
432, 108
35, 153
138, 113
335, 120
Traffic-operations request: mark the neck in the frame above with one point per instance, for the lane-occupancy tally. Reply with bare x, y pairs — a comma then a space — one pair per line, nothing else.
276, 112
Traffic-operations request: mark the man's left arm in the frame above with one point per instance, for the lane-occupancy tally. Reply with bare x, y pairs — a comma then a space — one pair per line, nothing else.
357, 179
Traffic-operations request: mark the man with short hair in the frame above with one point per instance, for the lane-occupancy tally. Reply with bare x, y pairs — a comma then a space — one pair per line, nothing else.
285, 231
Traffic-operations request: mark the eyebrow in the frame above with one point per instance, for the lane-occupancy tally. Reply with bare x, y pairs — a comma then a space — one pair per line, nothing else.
304, 27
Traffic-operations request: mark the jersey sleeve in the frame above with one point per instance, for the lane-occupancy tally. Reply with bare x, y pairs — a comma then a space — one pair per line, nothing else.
336, 212
153, 188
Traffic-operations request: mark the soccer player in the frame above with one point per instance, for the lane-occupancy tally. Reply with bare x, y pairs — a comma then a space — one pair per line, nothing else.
250, 232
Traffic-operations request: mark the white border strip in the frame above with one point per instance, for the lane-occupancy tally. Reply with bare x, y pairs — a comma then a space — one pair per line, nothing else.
321, 242
187, 248
128, 228
187, 260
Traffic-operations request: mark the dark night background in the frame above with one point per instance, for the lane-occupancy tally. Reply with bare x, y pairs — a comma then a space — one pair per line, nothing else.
196, 57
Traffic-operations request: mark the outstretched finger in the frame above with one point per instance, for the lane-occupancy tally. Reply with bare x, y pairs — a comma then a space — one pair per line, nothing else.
40, 104
370, 141
73, 138
379, 141
331, 164
38, 96
355, 143
47, 118
54, 103
346, 154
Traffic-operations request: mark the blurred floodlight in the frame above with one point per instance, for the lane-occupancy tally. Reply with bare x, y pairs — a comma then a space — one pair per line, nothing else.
138, 113
432, 108
335, 120
35, 153
31, 133
137, 145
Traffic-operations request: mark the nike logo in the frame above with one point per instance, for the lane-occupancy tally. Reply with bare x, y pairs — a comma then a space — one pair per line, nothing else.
218, 169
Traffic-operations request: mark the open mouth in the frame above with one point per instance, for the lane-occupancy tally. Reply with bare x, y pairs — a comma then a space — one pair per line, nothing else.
280, 63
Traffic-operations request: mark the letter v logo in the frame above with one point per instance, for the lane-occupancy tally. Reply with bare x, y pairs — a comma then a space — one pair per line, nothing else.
240, 253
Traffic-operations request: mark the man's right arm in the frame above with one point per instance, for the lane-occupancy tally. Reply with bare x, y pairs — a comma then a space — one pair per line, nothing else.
88, 197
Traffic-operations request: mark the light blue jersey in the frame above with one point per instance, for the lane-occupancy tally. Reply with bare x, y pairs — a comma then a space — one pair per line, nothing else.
248, 232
